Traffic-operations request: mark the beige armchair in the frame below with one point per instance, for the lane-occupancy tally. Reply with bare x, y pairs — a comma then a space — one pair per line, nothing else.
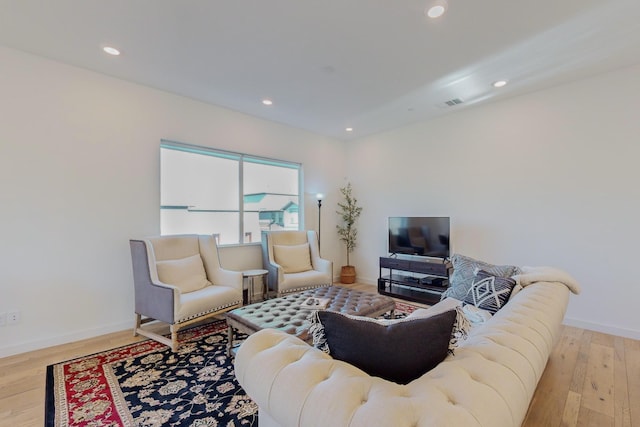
178, 280
293, 261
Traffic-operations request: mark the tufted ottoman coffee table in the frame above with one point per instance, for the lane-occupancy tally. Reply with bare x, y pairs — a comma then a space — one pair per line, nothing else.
286, 314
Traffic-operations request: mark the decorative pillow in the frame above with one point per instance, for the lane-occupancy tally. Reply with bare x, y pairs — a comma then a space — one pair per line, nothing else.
188, 273
464, 269
476, 315
293, 258
400, 351
489, 292
461, 326
460, 331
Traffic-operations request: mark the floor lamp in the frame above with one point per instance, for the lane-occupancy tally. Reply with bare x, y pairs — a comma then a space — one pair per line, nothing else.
319, 196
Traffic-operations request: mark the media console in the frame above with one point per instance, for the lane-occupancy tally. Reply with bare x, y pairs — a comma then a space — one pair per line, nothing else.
426, 283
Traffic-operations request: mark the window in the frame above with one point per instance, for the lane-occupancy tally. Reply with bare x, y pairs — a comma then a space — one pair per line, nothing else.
227, 194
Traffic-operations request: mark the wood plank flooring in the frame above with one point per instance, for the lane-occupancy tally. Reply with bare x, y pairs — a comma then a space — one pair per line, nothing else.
591, 379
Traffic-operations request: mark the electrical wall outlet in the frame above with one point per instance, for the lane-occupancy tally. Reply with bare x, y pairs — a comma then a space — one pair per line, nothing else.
3, 319
13, 317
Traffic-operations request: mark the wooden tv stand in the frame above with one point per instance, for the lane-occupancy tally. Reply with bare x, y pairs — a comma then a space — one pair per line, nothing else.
427, 283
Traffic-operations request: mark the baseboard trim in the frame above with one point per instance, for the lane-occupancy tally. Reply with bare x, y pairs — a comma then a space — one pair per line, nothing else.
606, 329
367, 281
64, 339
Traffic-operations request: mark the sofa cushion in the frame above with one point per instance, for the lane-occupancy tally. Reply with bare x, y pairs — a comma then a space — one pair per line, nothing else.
398, 351
188, 273
293, 258
489, 292
464, 269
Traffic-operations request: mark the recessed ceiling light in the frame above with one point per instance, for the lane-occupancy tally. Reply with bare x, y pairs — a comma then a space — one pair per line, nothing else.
499, 83
349, 129
111, 50
436, 9
267, 102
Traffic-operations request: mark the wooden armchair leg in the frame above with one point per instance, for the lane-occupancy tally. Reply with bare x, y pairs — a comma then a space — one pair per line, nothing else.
174, 338
137, 325
229, 340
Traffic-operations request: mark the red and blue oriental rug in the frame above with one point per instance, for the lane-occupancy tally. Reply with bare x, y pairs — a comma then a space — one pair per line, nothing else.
146, 384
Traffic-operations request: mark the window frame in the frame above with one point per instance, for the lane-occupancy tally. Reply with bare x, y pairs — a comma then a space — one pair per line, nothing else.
241, 158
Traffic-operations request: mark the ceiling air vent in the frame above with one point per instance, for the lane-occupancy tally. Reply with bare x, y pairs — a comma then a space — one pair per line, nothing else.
451, 103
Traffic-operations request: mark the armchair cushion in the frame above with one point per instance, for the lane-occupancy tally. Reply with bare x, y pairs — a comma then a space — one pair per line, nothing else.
293, 258
300, 281
206, 300
187, 274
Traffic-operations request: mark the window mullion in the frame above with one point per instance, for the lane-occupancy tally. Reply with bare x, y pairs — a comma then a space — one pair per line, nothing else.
241, 198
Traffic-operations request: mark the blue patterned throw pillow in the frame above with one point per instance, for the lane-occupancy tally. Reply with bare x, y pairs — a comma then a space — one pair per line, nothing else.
489, 292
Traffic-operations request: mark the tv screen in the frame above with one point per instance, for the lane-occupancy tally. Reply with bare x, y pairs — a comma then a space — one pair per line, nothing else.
424, 236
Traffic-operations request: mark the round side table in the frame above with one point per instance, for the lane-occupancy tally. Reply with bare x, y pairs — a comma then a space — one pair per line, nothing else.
251, 275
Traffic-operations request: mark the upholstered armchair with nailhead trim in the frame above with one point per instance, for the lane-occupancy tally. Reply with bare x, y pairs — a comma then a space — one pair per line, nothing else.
293, 261
178, 280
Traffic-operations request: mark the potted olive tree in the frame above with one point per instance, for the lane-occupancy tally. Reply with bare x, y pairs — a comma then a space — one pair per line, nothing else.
349, 212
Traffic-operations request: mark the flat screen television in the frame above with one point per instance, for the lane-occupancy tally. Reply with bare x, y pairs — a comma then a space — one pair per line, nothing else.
424, 236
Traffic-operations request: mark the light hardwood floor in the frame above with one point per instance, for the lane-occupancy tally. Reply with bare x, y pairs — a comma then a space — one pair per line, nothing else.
591, 379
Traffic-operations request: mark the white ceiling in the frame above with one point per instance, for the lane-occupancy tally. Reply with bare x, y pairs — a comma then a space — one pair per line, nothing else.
373, 65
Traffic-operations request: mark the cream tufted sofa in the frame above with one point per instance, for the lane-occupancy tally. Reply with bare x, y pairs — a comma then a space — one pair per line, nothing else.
488, 382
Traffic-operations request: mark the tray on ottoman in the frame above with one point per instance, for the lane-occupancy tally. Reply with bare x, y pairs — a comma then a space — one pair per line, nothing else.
287, 314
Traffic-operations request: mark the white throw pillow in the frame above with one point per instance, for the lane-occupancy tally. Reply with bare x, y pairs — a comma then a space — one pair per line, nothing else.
293, 258
476, 315
188, 273
461, 326
442, 306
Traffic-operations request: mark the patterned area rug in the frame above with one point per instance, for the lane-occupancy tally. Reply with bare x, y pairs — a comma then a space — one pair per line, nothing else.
145, 384
402, 310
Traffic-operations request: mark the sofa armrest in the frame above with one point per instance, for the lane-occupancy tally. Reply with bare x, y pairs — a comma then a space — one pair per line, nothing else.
176, 290
152, 297
323, 265
229, 278
276, 274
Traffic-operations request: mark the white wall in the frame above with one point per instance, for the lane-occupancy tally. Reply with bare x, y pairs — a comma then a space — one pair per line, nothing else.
79, 176
549, 178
